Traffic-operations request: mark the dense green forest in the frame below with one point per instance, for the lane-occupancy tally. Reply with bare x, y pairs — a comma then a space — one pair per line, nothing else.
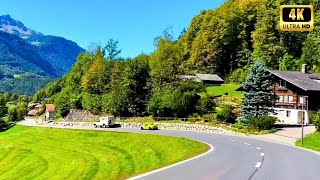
13, 108
226, 41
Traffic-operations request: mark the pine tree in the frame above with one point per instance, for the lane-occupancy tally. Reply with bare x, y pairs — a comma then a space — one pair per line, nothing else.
258, 97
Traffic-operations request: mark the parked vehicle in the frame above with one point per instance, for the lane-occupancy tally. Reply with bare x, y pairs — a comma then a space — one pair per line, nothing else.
105, 122
50, 120
149, 127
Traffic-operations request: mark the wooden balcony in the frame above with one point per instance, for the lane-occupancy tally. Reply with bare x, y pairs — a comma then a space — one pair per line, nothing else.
291, 105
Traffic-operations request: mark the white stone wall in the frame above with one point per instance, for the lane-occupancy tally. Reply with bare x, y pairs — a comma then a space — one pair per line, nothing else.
168, 126
294, 115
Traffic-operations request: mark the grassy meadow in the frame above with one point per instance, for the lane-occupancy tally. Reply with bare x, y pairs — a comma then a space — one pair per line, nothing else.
225, 88
311, 141
48, 153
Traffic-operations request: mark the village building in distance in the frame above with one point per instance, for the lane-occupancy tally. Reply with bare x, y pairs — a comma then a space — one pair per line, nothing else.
207, 79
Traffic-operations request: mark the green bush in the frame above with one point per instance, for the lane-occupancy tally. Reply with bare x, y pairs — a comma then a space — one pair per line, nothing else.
3, 123
226, 115
315, 118
178, 100
238, 126
262, 122
91, 102
205, 104
210, 117
62, 103
12, 114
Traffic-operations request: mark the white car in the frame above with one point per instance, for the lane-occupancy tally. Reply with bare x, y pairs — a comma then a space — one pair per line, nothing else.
105, 122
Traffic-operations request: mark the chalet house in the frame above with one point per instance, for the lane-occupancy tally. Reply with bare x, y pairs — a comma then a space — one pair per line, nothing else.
298, 95
50, 111
35, 107
207, 79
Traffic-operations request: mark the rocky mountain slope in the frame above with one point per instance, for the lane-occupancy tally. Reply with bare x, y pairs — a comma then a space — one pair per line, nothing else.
29, 59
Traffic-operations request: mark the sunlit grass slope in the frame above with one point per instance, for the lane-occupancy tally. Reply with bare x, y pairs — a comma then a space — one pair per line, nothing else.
43, 153
225, 88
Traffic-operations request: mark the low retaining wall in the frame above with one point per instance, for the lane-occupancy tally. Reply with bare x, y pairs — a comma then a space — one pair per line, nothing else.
185, 127
168, 126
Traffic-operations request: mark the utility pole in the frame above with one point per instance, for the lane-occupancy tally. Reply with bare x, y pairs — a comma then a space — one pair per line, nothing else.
304, 102
302, 120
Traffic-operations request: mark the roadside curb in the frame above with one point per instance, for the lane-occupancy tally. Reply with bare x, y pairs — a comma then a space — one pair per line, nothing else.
176, 164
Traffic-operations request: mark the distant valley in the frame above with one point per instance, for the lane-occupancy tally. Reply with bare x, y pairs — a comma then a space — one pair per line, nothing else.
29, 60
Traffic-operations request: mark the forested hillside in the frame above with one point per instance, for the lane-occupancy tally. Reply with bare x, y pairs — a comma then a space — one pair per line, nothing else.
226, 41
229, 39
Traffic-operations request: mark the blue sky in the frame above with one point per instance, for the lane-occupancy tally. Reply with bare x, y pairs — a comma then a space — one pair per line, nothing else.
133, 23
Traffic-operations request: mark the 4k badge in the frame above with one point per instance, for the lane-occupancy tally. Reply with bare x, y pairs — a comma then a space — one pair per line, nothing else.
296, 18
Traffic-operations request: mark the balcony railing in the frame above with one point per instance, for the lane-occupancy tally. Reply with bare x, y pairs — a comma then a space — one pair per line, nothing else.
292, 105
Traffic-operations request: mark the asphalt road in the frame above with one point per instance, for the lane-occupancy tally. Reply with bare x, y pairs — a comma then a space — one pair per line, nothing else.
235, 158
239, 158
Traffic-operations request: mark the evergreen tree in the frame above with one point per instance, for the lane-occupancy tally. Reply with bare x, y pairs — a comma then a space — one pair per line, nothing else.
258, 95
3, 107
111, 50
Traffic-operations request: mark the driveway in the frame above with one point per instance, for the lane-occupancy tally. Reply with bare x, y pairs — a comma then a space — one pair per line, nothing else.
288, 135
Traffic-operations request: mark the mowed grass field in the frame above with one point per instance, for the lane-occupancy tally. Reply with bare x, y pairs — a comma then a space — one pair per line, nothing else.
311, 141
44, 153
225, 88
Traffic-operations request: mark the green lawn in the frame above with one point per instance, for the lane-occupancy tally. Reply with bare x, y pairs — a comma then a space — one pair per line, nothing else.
311, 141
225, 88
44, 153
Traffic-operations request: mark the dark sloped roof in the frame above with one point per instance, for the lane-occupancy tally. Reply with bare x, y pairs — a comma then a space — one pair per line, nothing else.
209, 77
189, 77
305, 81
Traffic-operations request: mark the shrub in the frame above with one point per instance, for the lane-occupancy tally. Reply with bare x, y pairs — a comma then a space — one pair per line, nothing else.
262, 122
12, 114
2, 123
205, 104
91, 102
238, 126
315, 118
210, 117
226, 114
62, 103
179, 100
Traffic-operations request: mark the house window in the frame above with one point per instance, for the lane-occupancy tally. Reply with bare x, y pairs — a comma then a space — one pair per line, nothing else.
280, 98
281, 113
301, 100
290, 99
282, 83
286, 99
288, 115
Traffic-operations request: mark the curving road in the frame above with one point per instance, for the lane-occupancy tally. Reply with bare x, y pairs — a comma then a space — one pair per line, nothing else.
235, 158
239, 158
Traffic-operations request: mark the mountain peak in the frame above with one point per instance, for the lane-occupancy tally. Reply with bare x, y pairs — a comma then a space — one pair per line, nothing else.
12, 26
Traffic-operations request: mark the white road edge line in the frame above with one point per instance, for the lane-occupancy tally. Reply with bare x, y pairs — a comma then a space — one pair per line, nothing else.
258, 148
172, 165
258, 165
233, 140
262, 154
247, 144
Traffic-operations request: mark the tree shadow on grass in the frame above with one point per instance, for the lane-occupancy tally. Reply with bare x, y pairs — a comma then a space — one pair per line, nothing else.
115, 126
5, 127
